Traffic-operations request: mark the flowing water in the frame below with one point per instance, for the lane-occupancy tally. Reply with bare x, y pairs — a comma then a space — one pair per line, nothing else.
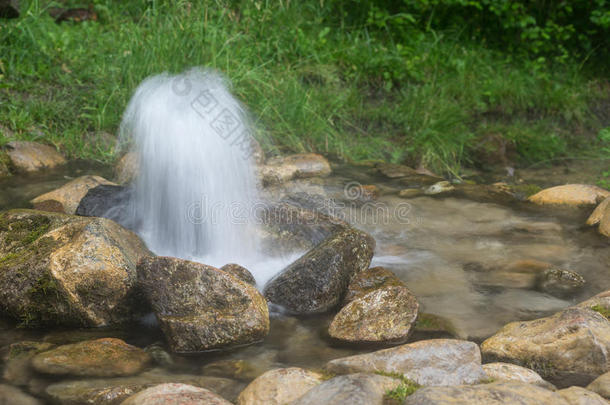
195, 193
445, 249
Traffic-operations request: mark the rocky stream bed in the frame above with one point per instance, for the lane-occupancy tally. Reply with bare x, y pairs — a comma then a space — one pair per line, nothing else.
398, 287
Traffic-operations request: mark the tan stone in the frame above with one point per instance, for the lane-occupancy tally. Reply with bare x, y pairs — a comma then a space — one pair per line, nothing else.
299, 166
279, 386
497, 393
384, 315
67, 197
175, 394
126, 168
601, 385
601, 216
580, 396
31, 156
570, 194
513, 372
574, 342
106, 357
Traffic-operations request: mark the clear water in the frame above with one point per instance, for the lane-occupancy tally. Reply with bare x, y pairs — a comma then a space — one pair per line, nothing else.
430, 245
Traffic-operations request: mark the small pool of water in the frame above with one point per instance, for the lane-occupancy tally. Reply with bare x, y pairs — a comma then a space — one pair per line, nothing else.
443, 248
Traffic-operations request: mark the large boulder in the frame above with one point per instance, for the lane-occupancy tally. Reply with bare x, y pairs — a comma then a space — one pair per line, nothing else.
573, 343
427, 362
281, 169
112, 391
279, 386
570, 195
580, 396
601, 385
354, 389
601, 217
67, 270
385, 315
31, 156
317, 281
497, 393
175, 394
106, 357
66, 198
200, 307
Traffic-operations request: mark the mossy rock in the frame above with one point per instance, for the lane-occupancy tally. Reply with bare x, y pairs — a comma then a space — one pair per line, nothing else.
66, 270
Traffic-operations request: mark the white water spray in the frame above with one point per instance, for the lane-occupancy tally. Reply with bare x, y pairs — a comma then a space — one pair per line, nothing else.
195, 190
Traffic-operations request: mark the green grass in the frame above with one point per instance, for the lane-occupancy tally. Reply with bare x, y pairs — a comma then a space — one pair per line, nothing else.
403, 390
312, 83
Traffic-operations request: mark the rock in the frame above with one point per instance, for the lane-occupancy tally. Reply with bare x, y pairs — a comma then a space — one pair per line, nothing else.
369, 280
385, 315
560, 283
107, 201
112, 391
175, 394
601, 385
258, 154
571, 195
580, 396
299, 166
599, 212
9, 8
427, 362
601, 216
599, 303
572, 343
126, 168
410, 193
66, 198
240, 272
503, 392
440, 187
14, 396
394, 171
359, 194
200, 307
317, 281
17, 357
354, 389
67, 270
279, 386
243, 370
107, 357
31, 156
513, 372
299, 227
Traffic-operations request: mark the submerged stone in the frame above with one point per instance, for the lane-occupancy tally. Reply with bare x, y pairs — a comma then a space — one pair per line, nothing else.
67, 270
17, 360
200, 307
107, 357
317, 281
14, 396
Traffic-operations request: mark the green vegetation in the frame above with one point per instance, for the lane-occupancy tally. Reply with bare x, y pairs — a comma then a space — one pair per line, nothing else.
602, 310
406, 387
442, 83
